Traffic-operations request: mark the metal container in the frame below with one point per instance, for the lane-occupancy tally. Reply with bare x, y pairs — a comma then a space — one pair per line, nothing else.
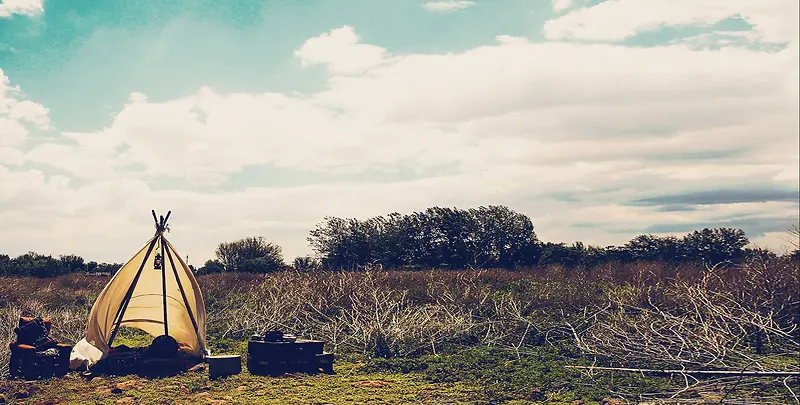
223, 365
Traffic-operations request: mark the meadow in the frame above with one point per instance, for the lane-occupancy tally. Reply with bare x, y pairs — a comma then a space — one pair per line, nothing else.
474, 336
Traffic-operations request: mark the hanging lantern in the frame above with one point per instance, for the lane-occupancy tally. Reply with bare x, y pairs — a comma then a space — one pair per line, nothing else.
157, 262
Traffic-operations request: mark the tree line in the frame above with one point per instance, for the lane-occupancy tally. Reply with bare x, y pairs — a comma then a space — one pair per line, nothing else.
446, 238
483, 237
33, 264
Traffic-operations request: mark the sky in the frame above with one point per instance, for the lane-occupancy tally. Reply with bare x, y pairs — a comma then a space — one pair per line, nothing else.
600, 120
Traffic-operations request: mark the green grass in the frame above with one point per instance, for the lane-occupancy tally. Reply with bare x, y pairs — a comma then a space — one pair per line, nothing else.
195, 388
477, 375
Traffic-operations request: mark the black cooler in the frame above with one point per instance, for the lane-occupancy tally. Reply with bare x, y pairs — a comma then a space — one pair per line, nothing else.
274, 352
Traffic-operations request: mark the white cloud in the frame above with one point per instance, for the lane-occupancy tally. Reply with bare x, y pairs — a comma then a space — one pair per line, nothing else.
340, 51
515, 122
447, 6
11, 156
615, 20
22, 7
561, 5
511, 40
32, 112
13, 111
11, 132
6, 92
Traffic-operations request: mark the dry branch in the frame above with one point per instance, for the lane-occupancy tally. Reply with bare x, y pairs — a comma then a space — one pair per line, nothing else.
747, 373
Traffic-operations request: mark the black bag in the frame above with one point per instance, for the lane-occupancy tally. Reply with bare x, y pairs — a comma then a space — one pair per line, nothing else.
164, 346
36, 334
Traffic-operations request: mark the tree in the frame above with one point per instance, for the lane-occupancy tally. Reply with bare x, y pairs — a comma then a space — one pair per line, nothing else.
559, 253
6, 265
72, 263
342, 243
306, 263
211, 267
108, 267
715, 246
504, 238
438, 237
251, 254
794, 240
37, 265
652, 248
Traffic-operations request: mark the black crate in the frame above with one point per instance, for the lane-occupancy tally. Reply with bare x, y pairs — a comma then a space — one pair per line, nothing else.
285, 351
301, 355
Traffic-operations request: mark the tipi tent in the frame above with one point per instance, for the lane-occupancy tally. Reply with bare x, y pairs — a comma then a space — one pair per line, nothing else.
155, 291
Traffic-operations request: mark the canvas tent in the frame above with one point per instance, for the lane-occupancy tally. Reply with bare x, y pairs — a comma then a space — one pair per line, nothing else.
153, 286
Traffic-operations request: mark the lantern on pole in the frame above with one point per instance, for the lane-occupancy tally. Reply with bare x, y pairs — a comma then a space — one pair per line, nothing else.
157, 262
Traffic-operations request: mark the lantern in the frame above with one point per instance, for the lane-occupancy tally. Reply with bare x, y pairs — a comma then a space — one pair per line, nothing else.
157, 262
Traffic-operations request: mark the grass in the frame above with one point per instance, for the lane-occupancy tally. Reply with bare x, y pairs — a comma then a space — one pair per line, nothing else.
469, 337
195, 388
475, 375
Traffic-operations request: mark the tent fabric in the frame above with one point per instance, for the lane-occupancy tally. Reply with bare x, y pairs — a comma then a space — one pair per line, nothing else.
145, 310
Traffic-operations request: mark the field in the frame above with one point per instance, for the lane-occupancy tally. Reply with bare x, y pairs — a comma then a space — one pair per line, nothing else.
479, 336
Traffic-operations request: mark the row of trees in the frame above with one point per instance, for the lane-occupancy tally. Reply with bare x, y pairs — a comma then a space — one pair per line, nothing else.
496, 236
33, 264
484, 237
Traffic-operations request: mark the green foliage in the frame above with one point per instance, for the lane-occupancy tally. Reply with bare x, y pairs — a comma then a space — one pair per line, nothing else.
497, 237
211, 267
653, 248
538, 374
306, 263
714, 246
72, 263
250, 255
486, 237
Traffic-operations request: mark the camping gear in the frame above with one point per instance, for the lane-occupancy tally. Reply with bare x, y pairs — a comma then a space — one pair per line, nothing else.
164, 346
273, 352
34, 354
155, 291
223, 365
121, 360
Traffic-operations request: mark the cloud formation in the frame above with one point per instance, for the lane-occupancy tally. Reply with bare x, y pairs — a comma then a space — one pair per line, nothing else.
513, 122
447, 6
616, 20
729, 196
21, 7
15, 113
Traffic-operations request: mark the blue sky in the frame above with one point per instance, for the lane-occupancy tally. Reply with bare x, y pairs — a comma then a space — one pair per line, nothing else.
261, 117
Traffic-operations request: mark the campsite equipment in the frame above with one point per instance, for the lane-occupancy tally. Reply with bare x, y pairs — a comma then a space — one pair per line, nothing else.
273, 352
155, 291
223, 365
34, 354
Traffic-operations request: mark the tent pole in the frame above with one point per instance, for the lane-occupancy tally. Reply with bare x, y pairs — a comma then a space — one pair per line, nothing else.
164, 286
127, 299
183, 294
